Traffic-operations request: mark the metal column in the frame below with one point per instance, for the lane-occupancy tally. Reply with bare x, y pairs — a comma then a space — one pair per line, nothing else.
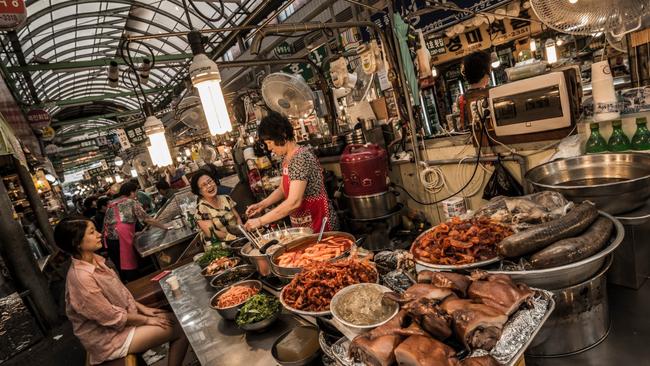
20, 261
42, 218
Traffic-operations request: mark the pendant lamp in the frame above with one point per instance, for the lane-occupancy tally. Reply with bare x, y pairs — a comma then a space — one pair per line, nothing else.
155, 130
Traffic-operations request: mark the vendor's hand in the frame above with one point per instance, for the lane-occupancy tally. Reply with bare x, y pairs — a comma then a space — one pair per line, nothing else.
253, 224
254, 209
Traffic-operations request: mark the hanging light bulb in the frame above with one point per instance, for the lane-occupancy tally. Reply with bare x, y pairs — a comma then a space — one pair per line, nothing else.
573, 1
119, 162
533, 45
155, 130
205, 76
434, 72
559, 41
188, 152
109, 180
118, 179
495, 60
551, 52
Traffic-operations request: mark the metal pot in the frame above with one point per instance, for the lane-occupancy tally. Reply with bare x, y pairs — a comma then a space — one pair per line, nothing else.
580, 320
616, 183
373, 205
290, 272
261, 262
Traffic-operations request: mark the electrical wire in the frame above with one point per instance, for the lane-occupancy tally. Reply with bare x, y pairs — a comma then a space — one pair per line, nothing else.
478, 159
205, 17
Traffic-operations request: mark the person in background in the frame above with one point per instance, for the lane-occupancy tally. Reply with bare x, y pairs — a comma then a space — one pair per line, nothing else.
104, 315
166, 192
119, 230
476, 70
302, 190
90, 207
102, 204
215, 213
176, 178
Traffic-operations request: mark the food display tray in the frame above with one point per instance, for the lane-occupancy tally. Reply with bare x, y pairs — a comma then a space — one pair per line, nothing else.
518, 333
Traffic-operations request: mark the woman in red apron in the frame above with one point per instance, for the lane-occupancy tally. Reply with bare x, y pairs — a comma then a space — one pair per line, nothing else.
119, 230
302, 190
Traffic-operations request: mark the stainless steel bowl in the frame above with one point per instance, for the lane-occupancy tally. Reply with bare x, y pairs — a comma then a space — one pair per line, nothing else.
286, 235
616, 183
209, 277
573, 273
262, 262
290, 272
230, 313
336, 300
263, 324
246, 270
304, 361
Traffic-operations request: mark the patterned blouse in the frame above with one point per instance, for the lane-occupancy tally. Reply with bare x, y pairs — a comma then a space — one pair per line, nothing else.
221, 216
130, 211
305, 166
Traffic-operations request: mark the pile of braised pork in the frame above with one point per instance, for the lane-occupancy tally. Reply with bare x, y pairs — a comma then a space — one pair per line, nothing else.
443, 306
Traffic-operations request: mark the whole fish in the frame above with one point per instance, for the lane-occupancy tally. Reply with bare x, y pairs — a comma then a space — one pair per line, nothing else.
540, 236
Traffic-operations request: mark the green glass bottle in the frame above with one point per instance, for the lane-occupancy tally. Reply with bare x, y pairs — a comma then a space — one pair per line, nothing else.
596, 143
618, 141
214, 239
641, 138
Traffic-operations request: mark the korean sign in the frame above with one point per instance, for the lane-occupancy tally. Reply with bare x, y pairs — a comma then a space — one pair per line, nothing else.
443, 48
123, 139
12, 14
303, 69
38, 118
135, 134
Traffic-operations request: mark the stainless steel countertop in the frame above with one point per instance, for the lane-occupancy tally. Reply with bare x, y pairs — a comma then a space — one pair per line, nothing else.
154, 240
217, 341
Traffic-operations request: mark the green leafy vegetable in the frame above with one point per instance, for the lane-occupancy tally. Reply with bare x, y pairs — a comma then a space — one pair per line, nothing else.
212, 254
258, 308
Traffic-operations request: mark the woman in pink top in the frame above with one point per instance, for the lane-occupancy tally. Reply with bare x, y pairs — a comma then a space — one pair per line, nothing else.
104, 315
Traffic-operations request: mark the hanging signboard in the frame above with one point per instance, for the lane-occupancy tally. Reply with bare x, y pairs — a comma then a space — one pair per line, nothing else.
444, 49
38, 118
102, 141
95, 172
123, 139
135, 134
104, 164
303, 69
12, 14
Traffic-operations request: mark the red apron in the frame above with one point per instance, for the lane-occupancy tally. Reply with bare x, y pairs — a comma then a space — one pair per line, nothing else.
125, 233
312, 210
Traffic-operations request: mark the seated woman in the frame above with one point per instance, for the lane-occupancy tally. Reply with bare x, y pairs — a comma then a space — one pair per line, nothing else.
104, 315
215, 213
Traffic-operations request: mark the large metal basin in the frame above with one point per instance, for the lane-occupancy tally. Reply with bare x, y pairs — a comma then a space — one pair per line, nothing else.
616, 183
573, 273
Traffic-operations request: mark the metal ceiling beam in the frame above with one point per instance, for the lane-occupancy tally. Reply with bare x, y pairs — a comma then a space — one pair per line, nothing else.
65, 102
101, 116
18, 51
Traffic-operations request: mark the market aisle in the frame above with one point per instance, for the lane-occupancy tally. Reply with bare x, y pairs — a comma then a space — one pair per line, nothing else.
628, 342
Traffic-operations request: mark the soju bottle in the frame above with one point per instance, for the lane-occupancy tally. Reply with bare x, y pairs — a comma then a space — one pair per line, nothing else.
641, 138
596, 143
618, 141
214, 239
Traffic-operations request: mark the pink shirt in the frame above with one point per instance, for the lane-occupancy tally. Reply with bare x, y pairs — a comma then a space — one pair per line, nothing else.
97, 304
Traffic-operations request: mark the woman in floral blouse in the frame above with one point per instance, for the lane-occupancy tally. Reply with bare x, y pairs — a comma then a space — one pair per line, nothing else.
119, 230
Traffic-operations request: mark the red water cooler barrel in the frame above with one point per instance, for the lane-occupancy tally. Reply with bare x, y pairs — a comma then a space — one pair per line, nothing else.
364, 169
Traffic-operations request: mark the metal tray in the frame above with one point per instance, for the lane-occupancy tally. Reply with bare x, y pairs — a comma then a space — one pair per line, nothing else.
569, 274
518, 333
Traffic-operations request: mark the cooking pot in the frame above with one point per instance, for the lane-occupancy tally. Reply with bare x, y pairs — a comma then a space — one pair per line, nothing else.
373, 205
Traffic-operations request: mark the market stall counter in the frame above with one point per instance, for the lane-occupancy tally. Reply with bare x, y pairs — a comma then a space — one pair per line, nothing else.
217, 341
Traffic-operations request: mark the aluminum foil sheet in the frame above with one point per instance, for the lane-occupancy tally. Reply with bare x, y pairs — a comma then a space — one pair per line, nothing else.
517, 334
18, 329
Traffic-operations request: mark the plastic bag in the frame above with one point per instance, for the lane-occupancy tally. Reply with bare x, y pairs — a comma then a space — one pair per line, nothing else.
502, 183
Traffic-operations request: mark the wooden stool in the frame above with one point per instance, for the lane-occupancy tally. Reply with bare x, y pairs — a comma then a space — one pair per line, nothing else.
129, 360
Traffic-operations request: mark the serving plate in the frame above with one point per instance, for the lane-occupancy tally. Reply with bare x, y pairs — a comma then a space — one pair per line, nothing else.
302, 312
